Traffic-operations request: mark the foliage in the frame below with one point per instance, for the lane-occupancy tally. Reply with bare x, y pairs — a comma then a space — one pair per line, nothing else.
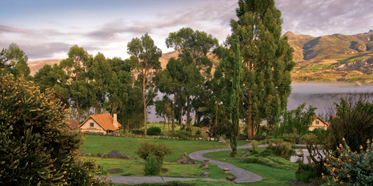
267, 61
154, 131
298, 120
306, 172
254, 144
15, 62
196, 131
36, 147
290, 137
137, 131
319, 146
159, 150
350, 168
354, 120
182, 134
282, 149
145, 55
152, 166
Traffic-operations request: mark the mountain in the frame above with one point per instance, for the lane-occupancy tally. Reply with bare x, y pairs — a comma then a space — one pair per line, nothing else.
317, 58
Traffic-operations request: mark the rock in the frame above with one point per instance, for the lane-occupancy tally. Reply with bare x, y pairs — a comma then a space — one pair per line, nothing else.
182, 159
191, 161
82, 154
226, 170
247, 139
98, 155
199, 138
185, 154
221, 139
212, 139
124, 156
205, 164
205, 174
104, 155
208, 139
93, 155
231, 178
114, 154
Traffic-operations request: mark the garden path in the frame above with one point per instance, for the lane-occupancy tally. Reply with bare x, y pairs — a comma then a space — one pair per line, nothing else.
241, 174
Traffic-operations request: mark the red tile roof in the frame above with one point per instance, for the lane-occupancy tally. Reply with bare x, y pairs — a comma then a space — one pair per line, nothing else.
105, 120
72, 124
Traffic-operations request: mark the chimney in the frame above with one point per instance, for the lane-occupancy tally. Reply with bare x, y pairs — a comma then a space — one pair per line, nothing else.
115, 121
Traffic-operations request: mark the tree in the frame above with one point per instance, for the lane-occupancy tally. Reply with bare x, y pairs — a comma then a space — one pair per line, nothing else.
36, 147
16, 61
145, 55
169, 81
235, 101
267, 60
75, 68
193, 47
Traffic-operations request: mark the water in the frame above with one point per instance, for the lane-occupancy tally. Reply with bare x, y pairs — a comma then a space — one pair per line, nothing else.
319, 95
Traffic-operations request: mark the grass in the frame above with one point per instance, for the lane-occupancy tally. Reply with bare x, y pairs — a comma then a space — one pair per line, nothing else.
104, 144
271, 175
135, 168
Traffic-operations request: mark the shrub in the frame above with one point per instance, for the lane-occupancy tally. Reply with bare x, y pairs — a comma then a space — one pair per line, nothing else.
306, 172
182, 134
282, 149
152, 165
290, 137
254, 144
138, 131
196, 131
36, 147
154, 131
350, 168
159, 150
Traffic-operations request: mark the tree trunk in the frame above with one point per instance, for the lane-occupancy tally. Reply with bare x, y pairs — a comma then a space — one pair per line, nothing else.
188, 112
249, 121
97, 110
173, 115
168, 124
128, 125
181, 116
144, 101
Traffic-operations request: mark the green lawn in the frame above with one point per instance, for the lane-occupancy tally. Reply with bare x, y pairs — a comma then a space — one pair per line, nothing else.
128, 145
271, 175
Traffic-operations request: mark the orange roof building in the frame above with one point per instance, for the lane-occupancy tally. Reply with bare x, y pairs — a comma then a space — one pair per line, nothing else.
318, 122
100, 123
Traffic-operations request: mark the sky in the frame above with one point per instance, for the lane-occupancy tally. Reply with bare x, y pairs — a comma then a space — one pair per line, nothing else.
46, 29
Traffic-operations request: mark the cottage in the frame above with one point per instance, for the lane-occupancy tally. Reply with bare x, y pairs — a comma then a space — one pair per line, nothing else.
318, 122
100, 123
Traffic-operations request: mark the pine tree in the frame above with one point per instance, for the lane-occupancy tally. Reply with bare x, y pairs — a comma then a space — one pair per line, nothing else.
267, 60
235, 101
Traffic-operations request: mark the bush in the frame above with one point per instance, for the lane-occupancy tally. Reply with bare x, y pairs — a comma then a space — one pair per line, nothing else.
306, 172
290, 137
182, 134
282, 149
196, 131
146, 148
254, 144
138, 131
36, 147
154, 131
350, 168
152, 165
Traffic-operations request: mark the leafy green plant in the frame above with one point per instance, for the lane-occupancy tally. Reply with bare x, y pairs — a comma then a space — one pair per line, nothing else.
154, 131
182, 134
290, 137
152, 166
306, 172
282, 149
350, 168
159, 150
138, 131
254, 144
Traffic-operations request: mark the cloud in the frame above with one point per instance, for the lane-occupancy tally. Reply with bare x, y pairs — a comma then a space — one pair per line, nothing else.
326, 17
7, 29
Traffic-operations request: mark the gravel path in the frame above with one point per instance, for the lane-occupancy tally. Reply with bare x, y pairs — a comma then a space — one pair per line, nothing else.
241, 174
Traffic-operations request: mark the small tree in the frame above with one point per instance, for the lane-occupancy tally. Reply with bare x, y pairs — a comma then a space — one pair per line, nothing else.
154, 155
298, 120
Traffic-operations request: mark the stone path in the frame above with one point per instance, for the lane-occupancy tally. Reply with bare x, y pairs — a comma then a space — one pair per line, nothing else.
241, 174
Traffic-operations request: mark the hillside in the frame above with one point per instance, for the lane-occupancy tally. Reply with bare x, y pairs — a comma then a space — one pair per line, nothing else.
317, 58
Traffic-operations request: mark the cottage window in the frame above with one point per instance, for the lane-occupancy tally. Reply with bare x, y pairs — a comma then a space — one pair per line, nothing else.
317, 122
91, 124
